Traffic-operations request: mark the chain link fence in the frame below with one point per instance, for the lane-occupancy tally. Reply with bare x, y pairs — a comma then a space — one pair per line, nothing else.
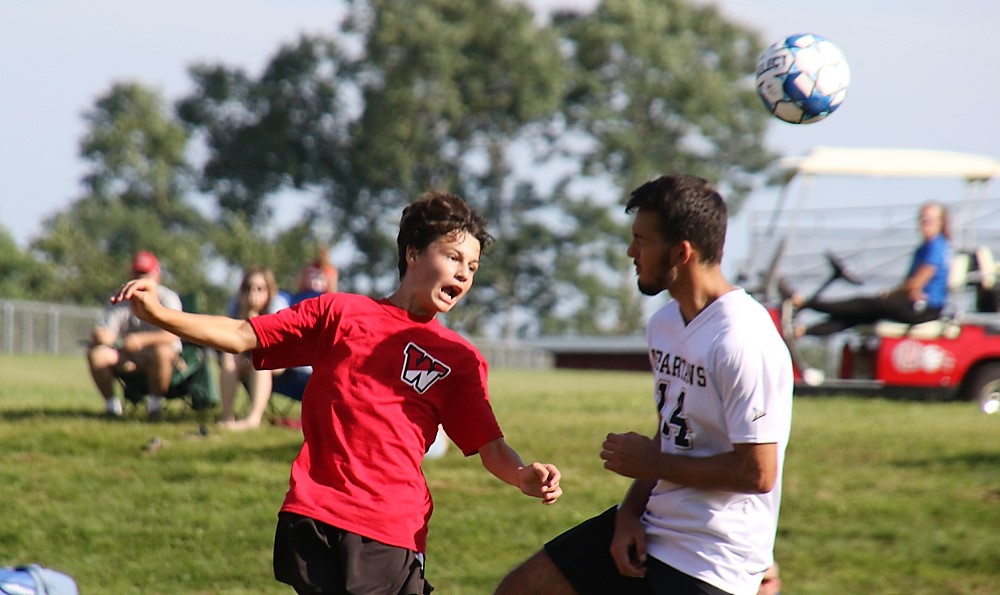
38, 327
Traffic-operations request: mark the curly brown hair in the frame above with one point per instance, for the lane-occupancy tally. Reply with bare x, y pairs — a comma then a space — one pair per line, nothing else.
435, 215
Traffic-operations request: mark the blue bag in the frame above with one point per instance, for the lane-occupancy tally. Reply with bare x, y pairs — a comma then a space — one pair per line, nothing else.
35, 580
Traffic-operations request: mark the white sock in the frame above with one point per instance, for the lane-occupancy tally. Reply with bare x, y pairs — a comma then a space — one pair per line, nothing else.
154, 403
113, 405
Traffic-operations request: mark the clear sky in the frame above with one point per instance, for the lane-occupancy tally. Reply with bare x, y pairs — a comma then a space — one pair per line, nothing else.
924, 75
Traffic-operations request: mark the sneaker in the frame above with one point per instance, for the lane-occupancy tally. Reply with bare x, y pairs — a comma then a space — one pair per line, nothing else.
113, 407
155, 407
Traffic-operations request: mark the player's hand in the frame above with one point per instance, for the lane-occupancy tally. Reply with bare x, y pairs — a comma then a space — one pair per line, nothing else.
540, 480
631, 454
142, 297
628, 546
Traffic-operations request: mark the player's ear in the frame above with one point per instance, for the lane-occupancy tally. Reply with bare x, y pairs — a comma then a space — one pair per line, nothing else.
683, 252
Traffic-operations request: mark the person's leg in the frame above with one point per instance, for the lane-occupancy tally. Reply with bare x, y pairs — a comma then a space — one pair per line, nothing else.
260, 393
576, 562
158, 361
844, 314
926, 315
229, 379
538, 575
901, 308
869, 310
823, 328
854, 308
102, 359
259, 384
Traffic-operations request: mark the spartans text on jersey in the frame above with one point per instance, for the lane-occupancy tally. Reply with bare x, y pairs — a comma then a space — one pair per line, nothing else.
678, 367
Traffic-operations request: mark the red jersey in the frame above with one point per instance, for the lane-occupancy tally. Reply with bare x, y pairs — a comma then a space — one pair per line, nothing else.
383, 379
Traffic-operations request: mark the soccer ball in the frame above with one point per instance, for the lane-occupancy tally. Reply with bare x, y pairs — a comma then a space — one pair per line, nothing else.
802, 78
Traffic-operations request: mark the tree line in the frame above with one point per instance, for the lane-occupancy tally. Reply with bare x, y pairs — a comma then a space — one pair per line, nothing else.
543, 127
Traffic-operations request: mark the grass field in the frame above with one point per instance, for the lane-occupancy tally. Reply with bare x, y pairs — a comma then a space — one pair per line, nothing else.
880, 497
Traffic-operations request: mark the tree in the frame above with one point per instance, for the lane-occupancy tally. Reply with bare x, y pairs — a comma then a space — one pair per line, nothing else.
437, 97
457, 89
21, 276
134, 200
411, 95
666, 86
286, 129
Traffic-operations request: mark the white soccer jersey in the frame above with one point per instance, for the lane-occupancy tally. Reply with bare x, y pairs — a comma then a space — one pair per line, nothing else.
723, 379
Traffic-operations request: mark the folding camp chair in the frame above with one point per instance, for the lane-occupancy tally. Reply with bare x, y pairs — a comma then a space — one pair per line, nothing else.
193, 381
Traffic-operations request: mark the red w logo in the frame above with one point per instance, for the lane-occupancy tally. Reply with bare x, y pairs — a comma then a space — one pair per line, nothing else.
420, 370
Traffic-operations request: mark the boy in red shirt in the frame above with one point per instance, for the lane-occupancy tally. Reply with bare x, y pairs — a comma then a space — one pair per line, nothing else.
385, 374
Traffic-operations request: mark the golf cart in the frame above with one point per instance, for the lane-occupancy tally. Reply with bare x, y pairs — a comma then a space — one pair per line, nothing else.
954, 357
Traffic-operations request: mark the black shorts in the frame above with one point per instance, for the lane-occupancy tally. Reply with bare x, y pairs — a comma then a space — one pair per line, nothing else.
583, 556
314, 557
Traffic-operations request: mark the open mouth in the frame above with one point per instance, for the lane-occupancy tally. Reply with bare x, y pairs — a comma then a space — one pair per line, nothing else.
452, 291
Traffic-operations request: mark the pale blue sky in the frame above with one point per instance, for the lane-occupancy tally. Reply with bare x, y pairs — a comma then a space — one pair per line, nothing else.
923, 75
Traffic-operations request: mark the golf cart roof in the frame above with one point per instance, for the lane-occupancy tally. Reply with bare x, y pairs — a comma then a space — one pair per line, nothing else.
912, 163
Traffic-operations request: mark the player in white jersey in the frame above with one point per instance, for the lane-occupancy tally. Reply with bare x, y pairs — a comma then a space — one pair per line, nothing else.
701, 515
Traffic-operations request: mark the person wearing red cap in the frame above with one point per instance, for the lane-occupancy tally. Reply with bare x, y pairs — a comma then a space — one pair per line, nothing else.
122, 345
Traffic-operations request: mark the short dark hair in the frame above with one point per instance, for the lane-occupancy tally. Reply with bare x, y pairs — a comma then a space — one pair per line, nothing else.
434, 215
689, 208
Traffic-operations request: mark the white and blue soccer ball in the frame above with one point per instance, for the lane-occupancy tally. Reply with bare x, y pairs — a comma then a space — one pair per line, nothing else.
802, 78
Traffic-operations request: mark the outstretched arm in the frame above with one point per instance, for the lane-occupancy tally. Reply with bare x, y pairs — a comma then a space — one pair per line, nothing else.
219, 332
540, 480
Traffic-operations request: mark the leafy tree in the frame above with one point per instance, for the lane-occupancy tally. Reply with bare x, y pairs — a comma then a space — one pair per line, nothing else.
436, 99
263, 135
21, 276
458, 88
410, 95
663, 86
134, 200
283, 130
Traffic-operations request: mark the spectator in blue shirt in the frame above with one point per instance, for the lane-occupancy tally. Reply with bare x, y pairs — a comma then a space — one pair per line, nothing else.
920, 297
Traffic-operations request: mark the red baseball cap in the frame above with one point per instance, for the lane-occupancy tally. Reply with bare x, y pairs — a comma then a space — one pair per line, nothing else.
145, 262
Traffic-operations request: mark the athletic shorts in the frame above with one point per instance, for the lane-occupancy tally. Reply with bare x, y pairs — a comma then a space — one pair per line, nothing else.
314, 557
583, 556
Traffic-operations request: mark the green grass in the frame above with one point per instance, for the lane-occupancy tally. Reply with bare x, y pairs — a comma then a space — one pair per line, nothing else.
880, 496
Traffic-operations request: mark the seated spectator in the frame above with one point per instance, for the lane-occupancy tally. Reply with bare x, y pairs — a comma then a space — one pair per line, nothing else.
920, 297
258, 294
122, 345
319, 277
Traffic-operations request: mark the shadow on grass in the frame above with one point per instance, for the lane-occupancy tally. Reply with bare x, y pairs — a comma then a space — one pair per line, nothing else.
966, 460
171, 415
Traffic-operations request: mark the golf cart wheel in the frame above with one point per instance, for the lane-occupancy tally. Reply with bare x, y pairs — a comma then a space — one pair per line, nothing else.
984, 387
